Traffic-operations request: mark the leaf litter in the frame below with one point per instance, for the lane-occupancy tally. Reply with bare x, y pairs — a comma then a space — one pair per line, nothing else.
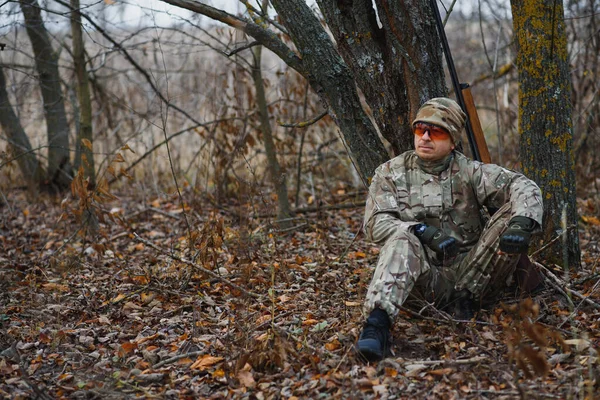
147, 308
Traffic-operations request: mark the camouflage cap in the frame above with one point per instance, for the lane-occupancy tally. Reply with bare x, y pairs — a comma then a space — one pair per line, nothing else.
443, 112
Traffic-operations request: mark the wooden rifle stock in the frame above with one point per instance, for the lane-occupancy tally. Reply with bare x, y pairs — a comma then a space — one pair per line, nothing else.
463, 97
471, 111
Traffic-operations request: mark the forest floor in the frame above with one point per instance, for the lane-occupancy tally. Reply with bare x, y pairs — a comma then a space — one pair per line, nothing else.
209, 302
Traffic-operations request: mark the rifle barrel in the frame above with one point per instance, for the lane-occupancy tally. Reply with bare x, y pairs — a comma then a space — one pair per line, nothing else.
455, 82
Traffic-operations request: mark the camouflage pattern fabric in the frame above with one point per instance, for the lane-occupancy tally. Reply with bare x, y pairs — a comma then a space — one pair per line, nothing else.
444, 112
403, 194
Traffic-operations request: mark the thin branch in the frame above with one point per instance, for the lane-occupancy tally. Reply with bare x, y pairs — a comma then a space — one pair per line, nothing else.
164, 118
174, 135
241, 48
132, 62
550, 243
448, 12
465, 361
198, 267
564, 284
266, 37
178, 357
499, 73
303, 124
305, 210
263, 14
153, 209
14, 354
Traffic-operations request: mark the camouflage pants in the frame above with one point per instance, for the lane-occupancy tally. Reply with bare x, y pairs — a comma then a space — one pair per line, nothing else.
404, 268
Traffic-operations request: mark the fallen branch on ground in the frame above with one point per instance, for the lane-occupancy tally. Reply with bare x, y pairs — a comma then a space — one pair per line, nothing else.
177, 358
566, 286
465, 361
196, 266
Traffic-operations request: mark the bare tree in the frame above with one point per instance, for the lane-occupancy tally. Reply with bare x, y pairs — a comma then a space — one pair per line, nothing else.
10, 123
84, 155
284, 210
59, 172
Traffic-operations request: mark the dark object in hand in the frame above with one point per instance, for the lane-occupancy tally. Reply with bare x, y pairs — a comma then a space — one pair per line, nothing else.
516, 238
437, 240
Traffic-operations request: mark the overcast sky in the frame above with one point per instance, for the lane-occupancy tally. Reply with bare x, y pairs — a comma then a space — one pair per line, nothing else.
134, 13
131, 13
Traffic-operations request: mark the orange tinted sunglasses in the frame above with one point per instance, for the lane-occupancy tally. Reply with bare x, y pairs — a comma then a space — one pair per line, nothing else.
435, 132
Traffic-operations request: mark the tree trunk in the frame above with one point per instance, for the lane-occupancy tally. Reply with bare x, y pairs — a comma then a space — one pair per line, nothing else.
333, 81
284, 211
59, 172
397, 66
545, 120
84, 156
28, 162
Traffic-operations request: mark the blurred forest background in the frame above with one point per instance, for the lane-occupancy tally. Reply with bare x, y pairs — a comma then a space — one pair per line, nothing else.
201, 98
140, 252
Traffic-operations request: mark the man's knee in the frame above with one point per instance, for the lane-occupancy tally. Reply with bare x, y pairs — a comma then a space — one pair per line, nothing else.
404, 238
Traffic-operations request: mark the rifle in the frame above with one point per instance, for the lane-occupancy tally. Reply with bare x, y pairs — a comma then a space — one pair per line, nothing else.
464, 97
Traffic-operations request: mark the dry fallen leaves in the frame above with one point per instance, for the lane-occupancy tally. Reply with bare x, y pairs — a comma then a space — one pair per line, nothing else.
204, 362
137, 316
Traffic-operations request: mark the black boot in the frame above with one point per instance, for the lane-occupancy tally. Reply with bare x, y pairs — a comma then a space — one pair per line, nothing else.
373, 341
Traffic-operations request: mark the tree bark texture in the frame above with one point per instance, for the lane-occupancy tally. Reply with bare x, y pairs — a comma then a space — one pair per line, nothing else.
545, 121
284, 210
9, 121
331, 78
84, 155
59, 173
397, 66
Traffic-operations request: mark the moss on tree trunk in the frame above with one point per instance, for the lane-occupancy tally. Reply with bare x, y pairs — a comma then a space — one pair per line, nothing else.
545, 121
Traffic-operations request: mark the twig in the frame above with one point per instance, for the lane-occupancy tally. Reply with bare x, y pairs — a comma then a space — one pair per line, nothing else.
514, 393
149, 378
416, 314
118, 236
265, 36
134, 63
14, 354
194, 265
584, 298
66, 242
303, 341
449, 11
586, 278
128, 296
303, 124
465, 361
557, 287
497, 392
153, 209
550, 243
316, 209
342, 360
292, 228
177, 358
270, 321
571, 291
241, 48
165, 213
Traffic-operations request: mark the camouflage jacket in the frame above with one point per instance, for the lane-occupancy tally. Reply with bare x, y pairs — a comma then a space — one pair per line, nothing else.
402, 194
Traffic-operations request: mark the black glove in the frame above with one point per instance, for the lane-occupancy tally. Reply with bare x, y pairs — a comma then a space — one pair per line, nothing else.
437, 240
516, 238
